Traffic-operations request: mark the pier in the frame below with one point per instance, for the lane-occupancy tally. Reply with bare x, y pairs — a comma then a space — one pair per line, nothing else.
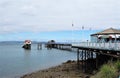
63, 46
92, 55
104, 46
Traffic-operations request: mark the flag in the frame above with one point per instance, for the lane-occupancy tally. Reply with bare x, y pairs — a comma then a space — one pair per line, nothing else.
82, 27
72, 24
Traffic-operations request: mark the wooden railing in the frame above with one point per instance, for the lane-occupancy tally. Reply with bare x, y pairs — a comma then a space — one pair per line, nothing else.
110, 46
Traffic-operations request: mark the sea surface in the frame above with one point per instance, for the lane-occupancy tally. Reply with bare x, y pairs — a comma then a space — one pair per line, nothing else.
15, 61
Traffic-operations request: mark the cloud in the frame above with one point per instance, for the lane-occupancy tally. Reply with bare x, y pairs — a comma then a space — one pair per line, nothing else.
52, 15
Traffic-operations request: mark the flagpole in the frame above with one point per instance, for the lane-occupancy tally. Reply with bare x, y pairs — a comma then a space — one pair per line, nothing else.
82, 33
72, 31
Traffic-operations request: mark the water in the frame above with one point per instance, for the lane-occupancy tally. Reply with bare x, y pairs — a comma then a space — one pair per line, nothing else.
15, 61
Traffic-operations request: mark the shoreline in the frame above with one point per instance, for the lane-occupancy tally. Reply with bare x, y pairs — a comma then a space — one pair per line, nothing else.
65, 70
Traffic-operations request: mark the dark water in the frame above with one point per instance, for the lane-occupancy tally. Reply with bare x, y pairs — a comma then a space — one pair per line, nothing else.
15, 61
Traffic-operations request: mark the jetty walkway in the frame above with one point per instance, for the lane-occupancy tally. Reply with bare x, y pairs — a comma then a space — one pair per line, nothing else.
111, 49
92, 55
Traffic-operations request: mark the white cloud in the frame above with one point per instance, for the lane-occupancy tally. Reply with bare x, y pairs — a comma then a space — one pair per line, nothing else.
52, 15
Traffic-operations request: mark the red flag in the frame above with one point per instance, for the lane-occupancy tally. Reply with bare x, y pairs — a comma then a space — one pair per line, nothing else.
72, 25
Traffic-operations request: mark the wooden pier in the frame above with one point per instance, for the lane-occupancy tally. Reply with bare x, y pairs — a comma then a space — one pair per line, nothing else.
39, 46
63, 46
92, 55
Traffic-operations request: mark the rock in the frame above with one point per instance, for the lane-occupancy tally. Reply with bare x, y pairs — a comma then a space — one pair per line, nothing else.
87, 77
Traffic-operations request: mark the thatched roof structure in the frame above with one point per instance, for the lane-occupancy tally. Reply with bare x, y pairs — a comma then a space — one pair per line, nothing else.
107, 32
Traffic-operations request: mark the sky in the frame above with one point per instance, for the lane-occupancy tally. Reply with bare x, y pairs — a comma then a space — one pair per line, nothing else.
53, 19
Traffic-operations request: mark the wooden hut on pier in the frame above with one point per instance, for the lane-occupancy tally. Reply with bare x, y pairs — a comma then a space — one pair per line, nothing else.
50, 44
108, 35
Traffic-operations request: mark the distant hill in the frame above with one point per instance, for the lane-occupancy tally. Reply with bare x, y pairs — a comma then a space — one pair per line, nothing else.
18, 42
11, 42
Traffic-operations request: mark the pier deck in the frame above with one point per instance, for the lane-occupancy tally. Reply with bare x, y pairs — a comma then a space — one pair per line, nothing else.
93, 54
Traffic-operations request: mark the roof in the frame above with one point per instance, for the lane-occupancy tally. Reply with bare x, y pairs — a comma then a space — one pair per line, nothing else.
107, 32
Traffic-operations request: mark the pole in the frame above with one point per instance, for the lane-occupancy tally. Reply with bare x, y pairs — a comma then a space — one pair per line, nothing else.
115, 42
72, 31
82, 32
78, 58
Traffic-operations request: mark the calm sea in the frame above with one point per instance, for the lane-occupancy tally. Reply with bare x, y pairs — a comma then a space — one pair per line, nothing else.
15, 61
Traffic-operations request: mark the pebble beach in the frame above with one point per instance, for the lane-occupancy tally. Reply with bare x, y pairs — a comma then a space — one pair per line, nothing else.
65, 70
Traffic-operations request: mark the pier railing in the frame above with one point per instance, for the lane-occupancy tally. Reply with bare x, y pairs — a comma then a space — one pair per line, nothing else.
110, 46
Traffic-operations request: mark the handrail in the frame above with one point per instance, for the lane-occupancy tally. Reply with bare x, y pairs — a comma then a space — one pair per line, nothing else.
110, 46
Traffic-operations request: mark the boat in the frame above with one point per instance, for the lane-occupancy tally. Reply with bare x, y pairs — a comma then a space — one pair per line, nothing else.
27, 44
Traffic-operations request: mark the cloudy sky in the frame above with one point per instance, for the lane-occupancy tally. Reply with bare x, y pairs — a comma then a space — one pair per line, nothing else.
21, 17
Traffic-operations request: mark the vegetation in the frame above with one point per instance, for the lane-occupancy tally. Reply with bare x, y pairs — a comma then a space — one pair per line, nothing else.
109, 70
117, 64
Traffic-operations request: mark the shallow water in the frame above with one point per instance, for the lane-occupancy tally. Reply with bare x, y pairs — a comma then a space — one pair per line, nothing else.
15, 61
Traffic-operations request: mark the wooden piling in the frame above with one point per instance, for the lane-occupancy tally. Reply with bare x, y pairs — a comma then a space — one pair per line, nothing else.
85, 68
82, 60
39, 46
96, 60
78, 58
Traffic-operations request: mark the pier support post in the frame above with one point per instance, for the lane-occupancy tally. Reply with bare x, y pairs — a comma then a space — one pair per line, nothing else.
91, 55
39, 46
82, 60
85, 69
78, 58
96, 60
